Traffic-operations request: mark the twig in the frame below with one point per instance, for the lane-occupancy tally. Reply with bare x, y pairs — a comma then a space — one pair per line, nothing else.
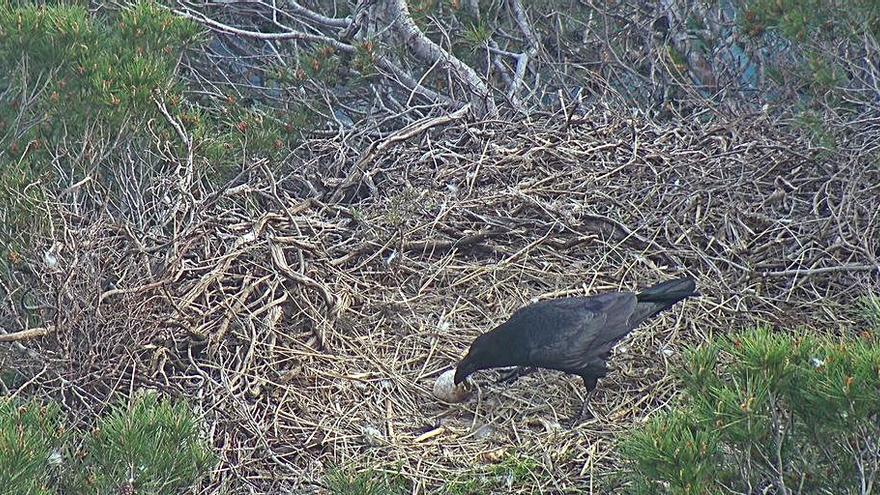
797, 272
288, 35
376, 148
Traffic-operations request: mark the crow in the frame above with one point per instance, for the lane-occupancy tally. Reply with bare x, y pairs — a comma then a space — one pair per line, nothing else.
574, 335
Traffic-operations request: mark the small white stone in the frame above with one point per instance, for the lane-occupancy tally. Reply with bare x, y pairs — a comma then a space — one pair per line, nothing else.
445, 388
484, 432
55, 458
372, 436
391, 257
50, 259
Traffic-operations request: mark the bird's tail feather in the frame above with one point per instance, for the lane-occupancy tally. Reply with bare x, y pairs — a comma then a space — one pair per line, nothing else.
663, 296
671, 290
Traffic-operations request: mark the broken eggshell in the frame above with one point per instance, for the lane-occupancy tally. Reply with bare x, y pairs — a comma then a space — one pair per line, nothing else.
445, 388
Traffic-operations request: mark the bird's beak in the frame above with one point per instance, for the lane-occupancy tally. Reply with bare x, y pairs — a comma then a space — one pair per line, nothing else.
465, 369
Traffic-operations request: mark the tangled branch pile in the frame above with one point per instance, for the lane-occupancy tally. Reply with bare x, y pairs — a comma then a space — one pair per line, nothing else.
307, 314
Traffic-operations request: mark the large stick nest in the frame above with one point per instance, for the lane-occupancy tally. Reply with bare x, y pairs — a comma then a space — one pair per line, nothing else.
308, 313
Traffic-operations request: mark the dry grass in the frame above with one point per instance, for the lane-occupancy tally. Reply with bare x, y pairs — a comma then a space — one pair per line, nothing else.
309, 331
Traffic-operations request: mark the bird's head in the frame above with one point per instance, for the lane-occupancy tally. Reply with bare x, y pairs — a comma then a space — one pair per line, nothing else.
477, 358
465, 369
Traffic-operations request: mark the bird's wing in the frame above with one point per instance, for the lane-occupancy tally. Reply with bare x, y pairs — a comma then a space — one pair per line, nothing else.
619, 308
569, 334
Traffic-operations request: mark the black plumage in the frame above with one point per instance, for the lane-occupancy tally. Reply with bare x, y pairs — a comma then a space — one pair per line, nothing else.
574, 334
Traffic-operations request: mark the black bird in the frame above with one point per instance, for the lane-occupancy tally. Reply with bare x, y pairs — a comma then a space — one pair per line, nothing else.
574, 334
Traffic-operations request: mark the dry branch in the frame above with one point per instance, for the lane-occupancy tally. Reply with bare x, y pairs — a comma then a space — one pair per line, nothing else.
30, 333
397, 14
378, 147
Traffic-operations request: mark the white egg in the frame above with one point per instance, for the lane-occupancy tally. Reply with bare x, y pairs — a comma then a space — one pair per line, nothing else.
445, 388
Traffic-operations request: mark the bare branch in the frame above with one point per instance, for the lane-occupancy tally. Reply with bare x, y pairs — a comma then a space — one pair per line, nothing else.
30, 333
803, 272
522, 22
298, 9
397, 13
289, 35
384, 63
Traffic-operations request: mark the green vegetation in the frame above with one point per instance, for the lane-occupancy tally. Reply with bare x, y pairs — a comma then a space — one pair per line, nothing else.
82, 94
341, 482
74, 85
77, 87
513, 470
804, 19
478, 35
516, 470
160, 438
869, 311
762, 407
30, 438
68, 71
818, 30
152, 446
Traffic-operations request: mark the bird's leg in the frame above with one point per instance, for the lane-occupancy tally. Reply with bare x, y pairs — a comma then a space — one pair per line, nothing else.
514, 375
584, 413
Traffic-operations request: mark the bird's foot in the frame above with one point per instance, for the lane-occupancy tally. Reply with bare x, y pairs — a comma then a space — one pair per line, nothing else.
583, 414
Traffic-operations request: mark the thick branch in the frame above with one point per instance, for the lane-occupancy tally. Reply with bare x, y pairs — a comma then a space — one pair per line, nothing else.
516, 81
429, 52
298, 9
30, 333
522, 22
